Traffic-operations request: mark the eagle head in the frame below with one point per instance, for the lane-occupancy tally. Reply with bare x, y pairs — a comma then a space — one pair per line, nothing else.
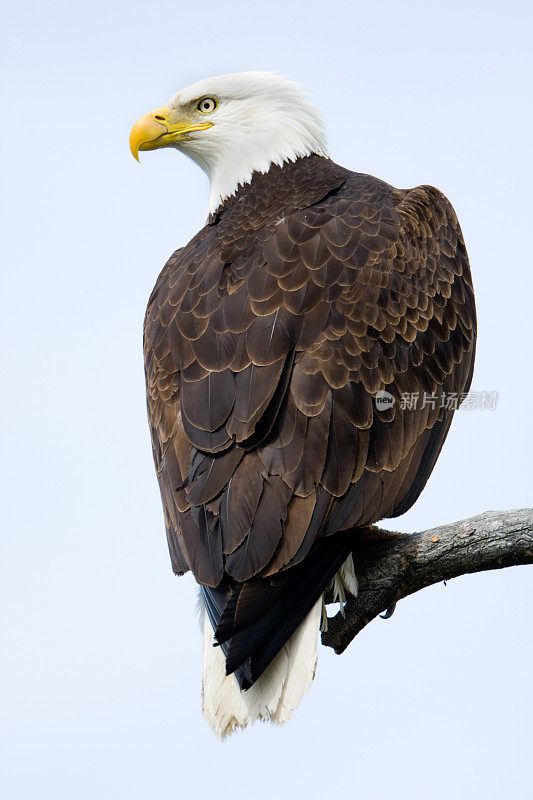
233, 126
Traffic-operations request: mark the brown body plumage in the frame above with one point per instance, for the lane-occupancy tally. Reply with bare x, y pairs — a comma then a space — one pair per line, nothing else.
267, 338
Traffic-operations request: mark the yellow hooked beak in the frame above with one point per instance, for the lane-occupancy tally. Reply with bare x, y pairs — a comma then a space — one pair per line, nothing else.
156, 130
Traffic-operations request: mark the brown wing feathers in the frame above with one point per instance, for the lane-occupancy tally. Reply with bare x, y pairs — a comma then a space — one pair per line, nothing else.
266, 338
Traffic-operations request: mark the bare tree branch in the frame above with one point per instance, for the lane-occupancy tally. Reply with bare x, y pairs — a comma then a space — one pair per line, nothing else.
390, 566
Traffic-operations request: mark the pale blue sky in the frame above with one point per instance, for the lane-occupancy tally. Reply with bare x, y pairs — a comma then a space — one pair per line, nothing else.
100, 666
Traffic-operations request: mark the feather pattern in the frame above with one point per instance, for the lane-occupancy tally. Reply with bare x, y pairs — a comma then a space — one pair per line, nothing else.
266, 340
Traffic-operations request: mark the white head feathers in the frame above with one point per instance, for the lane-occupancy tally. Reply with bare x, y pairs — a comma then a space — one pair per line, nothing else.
260, 119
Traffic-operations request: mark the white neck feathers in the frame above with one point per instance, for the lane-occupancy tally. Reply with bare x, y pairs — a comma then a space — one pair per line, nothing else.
262, 119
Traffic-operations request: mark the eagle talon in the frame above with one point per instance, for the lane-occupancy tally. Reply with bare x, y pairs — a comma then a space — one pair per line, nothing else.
389, 612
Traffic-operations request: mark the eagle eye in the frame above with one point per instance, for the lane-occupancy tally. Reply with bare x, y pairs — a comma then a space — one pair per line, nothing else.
206, 105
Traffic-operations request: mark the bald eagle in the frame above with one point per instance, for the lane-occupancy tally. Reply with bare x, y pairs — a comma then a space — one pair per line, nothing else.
280, 344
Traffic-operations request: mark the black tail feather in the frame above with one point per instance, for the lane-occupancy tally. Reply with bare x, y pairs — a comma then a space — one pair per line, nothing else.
255, 619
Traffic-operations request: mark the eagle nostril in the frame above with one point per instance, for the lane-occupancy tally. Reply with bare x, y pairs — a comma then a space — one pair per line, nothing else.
159, 117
